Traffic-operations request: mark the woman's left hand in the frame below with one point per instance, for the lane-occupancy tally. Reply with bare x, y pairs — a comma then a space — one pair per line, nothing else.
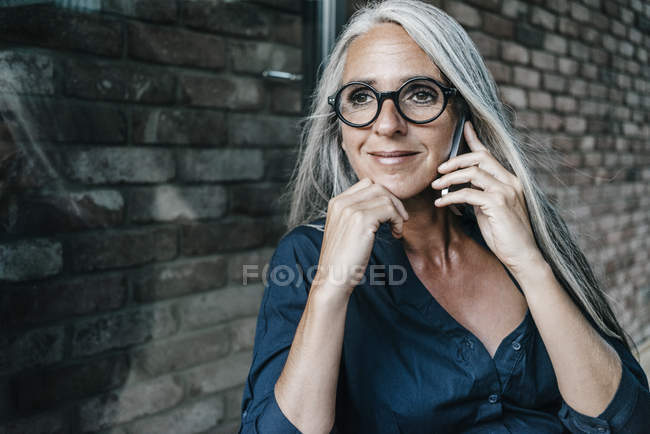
499, 205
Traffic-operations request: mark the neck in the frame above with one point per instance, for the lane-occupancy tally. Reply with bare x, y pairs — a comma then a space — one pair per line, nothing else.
431, 233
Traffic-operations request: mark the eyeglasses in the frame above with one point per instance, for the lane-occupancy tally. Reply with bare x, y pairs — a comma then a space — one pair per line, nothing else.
419, 100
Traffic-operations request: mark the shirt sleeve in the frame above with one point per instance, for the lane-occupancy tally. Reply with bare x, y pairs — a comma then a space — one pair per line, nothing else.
629, 409
288, 280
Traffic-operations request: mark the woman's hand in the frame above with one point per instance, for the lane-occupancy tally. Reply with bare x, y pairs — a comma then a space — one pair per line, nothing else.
499, 205
353, 218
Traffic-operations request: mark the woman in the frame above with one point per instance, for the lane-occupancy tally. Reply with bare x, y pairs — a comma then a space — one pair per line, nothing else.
497, 323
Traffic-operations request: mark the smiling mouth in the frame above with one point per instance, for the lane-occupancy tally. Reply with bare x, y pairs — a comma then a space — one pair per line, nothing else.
393, 154
393, 157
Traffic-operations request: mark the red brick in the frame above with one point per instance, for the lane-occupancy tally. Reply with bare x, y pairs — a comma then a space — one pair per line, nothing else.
514, 8
247, 267
127, 404
152, 10
229, 17
198, 416
171, 203
178, 278
540, 100
543, 18
118, 83
252, 130
512, 52
568, 66
176, 46
221, 306
181, 353
565, 104
117, 165
497, 25
526, 77
544, 61
218, 376
464, 14
45, 214
114, 249
501, 72
222, 92
29, 73
221, 165
575, 125
121, 330
207, 238
514, 96
568, 27
256, 57
554, 82
487, 45
179, 127
579, 12
30, 259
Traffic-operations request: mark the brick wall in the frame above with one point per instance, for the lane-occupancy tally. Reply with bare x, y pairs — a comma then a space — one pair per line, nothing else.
142, 152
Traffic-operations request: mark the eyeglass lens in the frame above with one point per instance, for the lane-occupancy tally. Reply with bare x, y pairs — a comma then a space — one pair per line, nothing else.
419, 100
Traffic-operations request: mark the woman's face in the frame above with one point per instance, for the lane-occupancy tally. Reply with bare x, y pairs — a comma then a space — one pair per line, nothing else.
388, 56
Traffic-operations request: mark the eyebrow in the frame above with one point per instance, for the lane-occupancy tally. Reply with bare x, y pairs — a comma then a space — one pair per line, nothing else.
372, 81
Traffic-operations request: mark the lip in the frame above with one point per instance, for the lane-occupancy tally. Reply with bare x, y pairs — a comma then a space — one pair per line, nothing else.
393, 157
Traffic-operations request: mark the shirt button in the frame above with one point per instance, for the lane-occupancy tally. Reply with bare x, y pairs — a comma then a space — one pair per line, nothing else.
516, 346
493, 398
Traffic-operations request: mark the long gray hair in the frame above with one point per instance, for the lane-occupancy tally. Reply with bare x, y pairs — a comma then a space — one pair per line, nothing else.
323, 171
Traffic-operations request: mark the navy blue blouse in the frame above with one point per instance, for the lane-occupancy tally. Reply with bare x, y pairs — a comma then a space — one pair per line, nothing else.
408, 366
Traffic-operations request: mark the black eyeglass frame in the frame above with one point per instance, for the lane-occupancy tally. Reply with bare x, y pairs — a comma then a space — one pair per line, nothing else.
447, 93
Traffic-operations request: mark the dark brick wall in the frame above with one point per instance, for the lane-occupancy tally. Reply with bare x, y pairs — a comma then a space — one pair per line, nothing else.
140, 154
141, 151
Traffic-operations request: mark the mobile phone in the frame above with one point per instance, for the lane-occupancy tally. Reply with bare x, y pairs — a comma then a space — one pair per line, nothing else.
455, 145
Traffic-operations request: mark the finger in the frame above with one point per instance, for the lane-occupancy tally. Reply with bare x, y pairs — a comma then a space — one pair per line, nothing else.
470, 196
398, 203
472, 138
384, 214
474, 175
374, 190
380, 210
362, 183
481, 159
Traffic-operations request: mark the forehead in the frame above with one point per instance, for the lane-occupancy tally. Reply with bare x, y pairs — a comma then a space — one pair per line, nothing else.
387, 55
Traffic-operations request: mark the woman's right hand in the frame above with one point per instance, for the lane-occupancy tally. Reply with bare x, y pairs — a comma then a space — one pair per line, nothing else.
353, 218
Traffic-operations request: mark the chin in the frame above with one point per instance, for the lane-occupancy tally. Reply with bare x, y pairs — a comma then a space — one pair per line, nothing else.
404, 186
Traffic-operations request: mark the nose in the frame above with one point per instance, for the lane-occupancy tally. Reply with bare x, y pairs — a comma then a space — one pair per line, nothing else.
389, 121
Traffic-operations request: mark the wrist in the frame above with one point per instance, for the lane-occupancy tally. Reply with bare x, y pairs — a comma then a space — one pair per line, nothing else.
531, 273
326, 292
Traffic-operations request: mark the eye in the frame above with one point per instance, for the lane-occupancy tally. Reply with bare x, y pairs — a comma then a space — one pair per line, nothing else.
360, 97
421, 94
